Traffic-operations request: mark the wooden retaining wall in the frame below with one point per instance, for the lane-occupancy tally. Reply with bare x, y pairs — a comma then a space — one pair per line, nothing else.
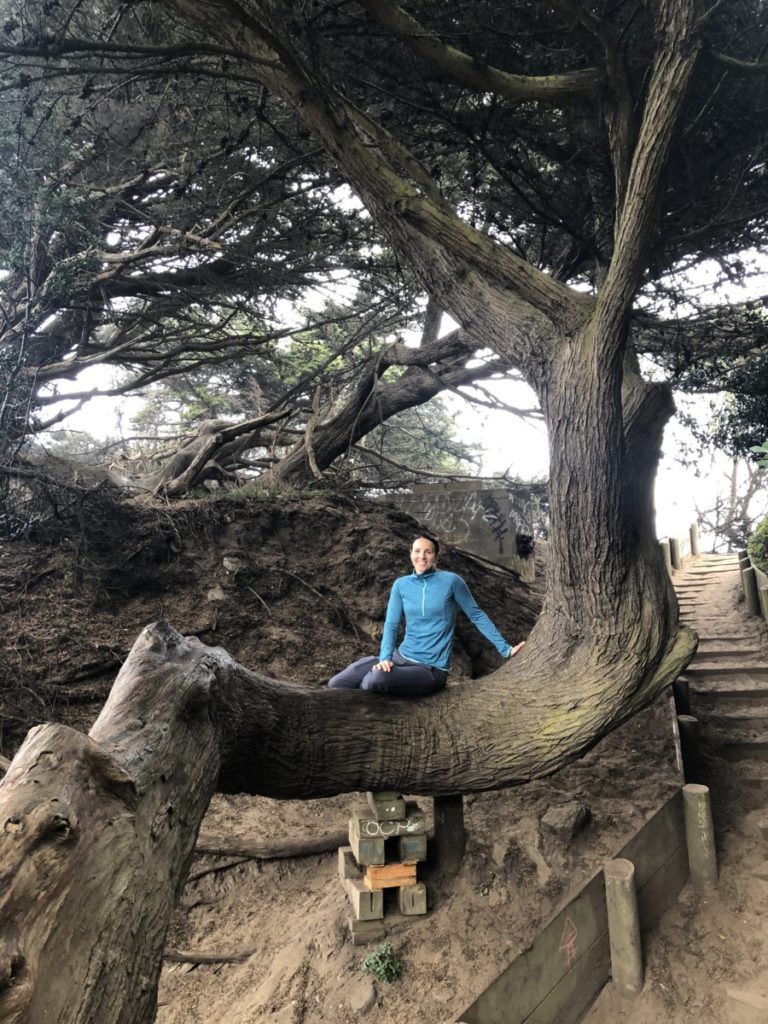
678, 550
762, 590
558, 977
760, 584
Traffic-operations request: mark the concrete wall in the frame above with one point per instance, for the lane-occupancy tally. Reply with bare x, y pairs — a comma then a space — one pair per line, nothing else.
490, 521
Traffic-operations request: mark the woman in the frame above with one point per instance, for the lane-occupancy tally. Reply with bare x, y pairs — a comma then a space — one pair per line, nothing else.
428, 598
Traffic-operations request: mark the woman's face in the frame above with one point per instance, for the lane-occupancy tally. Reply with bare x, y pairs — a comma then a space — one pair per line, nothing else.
423, 556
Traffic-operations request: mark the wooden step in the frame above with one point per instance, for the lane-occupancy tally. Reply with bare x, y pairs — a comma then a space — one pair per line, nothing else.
727, 710
709, 625
709, 573
756, 780
720, 730
725, 638
746, 716
749, 654
705, 669
734, 686
743, 750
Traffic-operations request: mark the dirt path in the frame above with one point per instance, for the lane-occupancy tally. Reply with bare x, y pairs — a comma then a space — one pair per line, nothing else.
707, 963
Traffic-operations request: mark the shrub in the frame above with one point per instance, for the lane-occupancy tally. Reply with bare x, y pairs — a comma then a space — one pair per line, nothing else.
757, 545
383, 963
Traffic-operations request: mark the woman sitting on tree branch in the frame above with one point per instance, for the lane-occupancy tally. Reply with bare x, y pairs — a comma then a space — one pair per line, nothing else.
428, 598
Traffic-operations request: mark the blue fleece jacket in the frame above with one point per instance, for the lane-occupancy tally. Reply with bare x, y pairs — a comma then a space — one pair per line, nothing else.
429, 601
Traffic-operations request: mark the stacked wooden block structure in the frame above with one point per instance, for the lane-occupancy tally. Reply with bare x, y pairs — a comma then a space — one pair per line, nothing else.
383, 826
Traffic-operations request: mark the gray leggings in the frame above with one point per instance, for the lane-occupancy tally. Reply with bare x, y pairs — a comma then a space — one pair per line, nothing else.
405, 679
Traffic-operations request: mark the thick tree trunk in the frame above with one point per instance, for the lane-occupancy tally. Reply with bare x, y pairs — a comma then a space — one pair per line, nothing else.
96, 838
109, 824
98, 831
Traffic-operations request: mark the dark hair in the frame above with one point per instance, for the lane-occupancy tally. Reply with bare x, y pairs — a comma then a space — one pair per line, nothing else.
427, 536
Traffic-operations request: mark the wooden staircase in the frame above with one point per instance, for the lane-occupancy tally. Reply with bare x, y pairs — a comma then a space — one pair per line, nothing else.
729, 675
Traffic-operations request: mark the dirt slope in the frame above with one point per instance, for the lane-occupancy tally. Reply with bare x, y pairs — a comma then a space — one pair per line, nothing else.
292, 915
291, 587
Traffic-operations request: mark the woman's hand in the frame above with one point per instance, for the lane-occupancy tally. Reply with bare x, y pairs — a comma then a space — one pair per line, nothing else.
382, 666
515, 649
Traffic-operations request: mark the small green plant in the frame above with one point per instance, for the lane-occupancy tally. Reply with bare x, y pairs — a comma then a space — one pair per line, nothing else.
761, 449
383, 963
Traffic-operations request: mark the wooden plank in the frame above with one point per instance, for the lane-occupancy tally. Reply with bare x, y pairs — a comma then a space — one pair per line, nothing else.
662, 890
412, 849
388, 876
347, 866
554, 953
366, 905
571, 998
450, 835
363, 932
386, 805
657, 840
366, 851
365, 826
412, 899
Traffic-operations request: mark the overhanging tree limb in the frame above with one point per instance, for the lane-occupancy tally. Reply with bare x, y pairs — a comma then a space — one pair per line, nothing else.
395, 201
756, 69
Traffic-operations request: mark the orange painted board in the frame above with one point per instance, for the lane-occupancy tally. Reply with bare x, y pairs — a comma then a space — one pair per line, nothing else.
386, 876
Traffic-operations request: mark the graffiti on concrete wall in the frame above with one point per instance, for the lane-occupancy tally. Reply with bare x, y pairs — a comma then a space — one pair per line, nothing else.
450, 514
494, 522
494, 518
520, 511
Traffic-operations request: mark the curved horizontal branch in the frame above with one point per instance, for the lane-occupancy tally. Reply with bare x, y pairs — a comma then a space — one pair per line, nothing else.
101, 829
292, 741
750, 69
456, 66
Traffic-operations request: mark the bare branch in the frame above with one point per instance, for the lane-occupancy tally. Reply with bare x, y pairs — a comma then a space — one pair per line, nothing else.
181, 483
750, 69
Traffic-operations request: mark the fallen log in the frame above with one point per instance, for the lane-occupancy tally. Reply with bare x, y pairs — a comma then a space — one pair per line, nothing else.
276, 849
178, 956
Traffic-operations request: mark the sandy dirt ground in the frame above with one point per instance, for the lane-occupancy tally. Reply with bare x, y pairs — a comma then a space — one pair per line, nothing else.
72, 621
